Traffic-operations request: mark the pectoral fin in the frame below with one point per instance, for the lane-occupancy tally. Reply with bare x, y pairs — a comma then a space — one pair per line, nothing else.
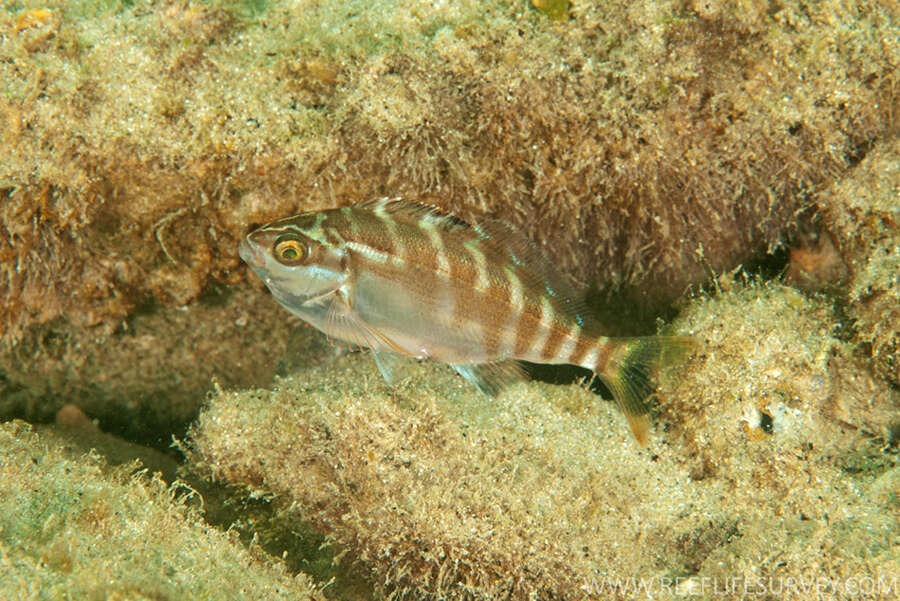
491, 378
344, 324
389, 365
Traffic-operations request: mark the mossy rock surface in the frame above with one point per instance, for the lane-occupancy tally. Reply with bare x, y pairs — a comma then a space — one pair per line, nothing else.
72, 528
645, 147
862, 212
641, 144
649, 148
435, 490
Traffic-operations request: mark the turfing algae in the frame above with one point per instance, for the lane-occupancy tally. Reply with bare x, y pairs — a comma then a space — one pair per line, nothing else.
598, 134
145, 137
72, 529
432, 489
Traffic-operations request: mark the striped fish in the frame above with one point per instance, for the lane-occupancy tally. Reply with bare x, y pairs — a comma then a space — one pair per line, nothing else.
399, 277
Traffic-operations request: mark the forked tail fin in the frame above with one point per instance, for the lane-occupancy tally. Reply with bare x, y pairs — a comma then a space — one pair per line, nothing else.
628, 366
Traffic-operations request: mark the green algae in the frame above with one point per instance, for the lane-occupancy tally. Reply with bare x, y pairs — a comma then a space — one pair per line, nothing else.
555, 9
71, 529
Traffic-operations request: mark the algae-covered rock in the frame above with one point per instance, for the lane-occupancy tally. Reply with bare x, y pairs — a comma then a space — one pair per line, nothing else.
147, 379
774, 374
863, 212
435, 490
642, 143
70, 528
770, 442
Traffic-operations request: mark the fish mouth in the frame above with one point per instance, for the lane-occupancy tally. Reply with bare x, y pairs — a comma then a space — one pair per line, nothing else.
255, 258
281, 285
251, 253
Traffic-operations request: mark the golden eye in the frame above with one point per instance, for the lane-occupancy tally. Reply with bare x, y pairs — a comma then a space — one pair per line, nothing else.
289, 251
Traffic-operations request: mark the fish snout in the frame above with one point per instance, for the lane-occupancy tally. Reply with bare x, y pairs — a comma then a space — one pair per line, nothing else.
251, 253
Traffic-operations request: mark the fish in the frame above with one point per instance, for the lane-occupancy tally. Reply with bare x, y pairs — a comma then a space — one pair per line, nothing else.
402, 278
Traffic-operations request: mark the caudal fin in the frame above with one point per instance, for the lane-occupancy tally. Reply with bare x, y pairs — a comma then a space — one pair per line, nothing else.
629, 367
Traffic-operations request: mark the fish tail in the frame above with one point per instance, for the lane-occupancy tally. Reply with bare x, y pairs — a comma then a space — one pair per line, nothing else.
628, 366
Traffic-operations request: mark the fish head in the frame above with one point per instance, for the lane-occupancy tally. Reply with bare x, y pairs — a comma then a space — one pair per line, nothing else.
294, 260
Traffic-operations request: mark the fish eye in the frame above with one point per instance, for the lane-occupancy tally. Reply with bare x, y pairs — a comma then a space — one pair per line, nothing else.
289, 251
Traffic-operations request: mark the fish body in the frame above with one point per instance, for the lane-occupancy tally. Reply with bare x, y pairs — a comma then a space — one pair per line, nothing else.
399, 277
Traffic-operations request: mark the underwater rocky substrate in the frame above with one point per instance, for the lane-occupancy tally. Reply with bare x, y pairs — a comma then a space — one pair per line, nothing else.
433, 491
623, 138
773, 452
776, 435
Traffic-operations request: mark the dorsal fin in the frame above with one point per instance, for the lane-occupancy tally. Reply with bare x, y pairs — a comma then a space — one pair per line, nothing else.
417, 212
